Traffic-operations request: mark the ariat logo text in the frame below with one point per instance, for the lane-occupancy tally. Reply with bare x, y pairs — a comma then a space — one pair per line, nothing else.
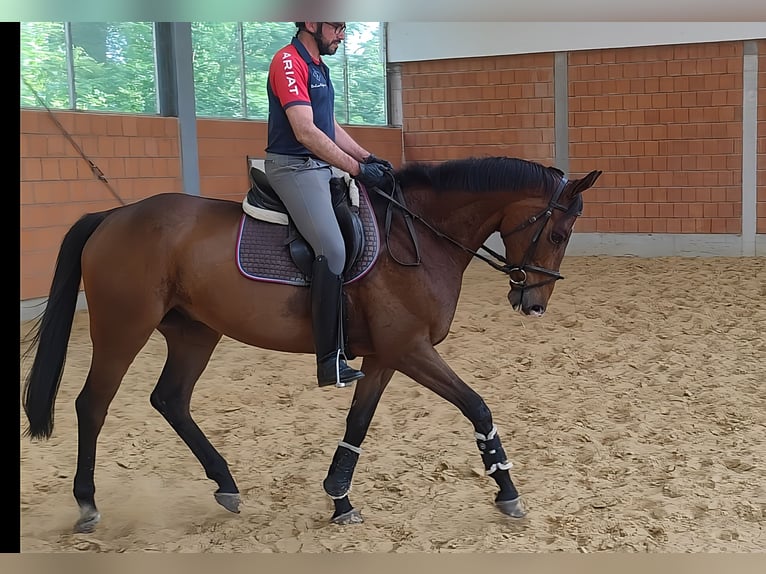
287, 66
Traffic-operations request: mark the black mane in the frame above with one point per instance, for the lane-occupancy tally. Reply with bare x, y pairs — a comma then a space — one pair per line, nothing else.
480, 174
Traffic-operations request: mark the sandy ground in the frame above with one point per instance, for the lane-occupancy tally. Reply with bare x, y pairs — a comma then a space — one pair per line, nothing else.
634, 412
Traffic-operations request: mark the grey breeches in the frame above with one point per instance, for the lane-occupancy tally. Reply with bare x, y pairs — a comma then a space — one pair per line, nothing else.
303, 185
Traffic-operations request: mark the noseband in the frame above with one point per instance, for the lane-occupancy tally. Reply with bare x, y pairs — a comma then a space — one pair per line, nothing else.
517, 273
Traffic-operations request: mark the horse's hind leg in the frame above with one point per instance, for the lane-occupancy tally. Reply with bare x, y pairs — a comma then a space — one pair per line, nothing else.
190, 345
113, 351
366, 398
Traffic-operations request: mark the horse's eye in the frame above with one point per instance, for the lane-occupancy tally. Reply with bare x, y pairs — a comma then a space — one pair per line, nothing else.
557, 237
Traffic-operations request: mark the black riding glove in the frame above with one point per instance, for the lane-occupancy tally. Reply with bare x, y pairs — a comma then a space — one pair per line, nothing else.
372, 159
373, 175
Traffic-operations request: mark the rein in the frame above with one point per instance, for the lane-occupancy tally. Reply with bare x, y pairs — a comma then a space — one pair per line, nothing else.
517, 274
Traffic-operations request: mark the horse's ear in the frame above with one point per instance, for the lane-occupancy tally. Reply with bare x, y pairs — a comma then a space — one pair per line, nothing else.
584, 183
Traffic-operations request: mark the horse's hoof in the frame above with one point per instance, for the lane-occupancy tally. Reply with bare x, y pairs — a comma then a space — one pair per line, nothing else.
87, 523
353, 516
228, 500
513, 508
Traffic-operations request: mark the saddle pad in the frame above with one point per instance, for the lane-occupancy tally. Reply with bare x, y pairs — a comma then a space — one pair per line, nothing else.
263, 254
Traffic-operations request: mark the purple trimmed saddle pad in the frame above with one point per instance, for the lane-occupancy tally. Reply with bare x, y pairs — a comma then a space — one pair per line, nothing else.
263, 255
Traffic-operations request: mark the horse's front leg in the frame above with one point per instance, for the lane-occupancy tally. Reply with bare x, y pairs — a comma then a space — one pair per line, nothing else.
366, 397
425, 366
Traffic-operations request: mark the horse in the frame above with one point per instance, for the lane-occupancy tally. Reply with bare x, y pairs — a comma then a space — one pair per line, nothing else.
166, 263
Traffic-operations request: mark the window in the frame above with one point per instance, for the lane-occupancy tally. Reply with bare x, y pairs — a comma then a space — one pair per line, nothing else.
44, 65
231, 65
95, 66
217, 64
366, 82
111, 66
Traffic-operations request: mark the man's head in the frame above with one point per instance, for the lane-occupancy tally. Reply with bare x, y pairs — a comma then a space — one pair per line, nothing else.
327, 35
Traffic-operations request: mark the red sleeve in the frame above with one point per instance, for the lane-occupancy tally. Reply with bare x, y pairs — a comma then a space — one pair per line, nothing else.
288, 76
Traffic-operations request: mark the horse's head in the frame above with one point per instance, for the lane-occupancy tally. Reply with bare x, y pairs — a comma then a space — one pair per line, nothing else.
535, 246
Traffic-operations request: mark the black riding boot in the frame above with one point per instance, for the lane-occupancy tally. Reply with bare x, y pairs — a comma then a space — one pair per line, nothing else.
327, 313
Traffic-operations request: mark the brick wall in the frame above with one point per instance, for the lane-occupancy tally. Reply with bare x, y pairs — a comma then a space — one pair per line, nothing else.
500, 105
139, 156
664, 123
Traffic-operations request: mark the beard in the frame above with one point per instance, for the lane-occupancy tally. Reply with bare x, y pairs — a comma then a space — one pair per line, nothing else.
327, 48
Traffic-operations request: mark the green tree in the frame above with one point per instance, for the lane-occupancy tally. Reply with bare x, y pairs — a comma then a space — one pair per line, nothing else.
114, 68
217, 69
366, 75
43, 64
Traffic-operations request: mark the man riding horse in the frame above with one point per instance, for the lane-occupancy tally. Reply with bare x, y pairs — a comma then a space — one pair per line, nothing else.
304, 143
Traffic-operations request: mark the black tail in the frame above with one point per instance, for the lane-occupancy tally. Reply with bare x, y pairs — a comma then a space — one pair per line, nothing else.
50, 334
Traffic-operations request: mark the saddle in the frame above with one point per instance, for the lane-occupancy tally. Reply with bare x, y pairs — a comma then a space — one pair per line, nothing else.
270, 247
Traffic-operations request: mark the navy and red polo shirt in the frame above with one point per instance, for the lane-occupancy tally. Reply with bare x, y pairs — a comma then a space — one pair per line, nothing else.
296, 79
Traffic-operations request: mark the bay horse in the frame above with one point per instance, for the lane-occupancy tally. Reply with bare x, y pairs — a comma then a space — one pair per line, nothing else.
166, 263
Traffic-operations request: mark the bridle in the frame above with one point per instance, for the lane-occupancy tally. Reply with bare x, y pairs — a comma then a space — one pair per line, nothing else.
517, 273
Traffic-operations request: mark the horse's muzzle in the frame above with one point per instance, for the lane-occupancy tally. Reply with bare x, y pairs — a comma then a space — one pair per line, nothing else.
522, 300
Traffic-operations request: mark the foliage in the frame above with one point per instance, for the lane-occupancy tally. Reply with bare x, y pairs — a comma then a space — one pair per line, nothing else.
114, 68
43, 64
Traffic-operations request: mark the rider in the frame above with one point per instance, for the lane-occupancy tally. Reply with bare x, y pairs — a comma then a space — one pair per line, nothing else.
304, 143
